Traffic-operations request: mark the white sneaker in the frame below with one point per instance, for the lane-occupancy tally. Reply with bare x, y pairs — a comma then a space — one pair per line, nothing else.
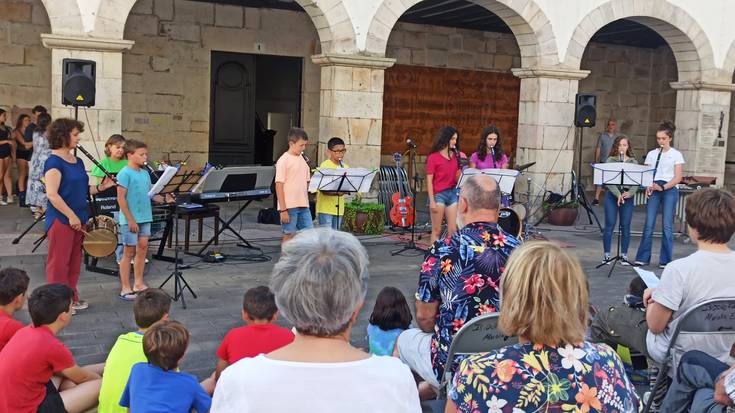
624, 260
10, 199
606, 259
2, 202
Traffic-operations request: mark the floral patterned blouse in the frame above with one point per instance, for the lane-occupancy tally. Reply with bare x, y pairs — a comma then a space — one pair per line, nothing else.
463, 274
537, 378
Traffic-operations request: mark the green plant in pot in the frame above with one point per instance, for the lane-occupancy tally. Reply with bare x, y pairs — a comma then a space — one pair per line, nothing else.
563, 212
364, 218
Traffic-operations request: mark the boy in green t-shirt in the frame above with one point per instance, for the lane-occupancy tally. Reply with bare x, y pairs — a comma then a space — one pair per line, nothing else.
114, 159
328, 214
150, 306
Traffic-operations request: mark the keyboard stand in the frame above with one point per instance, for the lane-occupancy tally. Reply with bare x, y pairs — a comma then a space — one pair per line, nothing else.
226, 225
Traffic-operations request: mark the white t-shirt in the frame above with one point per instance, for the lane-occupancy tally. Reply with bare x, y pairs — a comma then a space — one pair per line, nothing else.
685, 282
669, 159
376, 384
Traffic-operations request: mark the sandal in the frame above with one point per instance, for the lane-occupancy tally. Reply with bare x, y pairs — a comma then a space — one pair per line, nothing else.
127, 296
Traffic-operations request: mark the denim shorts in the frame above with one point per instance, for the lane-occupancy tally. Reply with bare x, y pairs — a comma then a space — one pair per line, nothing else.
447, 197
130, 239
330, 221
300, 219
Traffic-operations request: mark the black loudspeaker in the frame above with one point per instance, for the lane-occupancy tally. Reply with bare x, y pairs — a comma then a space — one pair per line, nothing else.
77, 82
585, 110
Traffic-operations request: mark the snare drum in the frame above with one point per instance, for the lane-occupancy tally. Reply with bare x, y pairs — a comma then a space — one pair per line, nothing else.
101, 238
509, 221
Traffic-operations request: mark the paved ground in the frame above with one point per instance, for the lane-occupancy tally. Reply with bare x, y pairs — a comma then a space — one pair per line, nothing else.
220, 286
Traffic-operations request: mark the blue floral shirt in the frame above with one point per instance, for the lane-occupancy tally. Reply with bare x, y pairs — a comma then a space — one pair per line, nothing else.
463, 274
537, 378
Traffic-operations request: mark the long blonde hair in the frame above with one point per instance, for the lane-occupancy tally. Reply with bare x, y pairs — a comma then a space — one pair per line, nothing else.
545, 295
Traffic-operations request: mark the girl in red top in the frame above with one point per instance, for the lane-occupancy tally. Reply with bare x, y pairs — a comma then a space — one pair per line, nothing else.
442, 171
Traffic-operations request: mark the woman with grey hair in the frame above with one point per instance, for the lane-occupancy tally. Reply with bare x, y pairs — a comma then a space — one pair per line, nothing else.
320, 284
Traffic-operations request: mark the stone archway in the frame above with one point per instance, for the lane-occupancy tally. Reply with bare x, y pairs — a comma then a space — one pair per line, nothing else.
529, 24
691, 47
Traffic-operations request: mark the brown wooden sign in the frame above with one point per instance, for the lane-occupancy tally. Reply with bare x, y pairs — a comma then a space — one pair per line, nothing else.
419, 100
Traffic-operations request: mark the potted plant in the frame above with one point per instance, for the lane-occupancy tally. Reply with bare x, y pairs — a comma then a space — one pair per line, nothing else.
364, 218
562, 213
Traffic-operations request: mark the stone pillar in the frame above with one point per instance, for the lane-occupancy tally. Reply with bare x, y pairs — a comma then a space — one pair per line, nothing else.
105, 118
699, 136
351, 105
546, 129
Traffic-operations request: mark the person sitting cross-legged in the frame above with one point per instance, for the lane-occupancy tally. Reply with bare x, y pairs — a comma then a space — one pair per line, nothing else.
458, 281
702, 384
320, 283
703, 275
545, 304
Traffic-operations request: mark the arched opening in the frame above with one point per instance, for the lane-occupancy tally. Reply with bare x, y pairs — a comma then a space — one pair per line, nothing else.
631, 67
453, 67
176, 88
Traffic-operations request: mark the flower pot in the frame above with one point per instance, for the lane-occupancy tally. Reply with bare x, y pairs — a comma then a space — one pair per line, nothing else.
563, 216
361, 219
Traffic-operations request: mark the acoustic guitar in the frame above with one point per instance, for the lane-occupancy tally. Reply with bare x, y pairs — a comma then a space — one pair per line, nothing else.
402, 213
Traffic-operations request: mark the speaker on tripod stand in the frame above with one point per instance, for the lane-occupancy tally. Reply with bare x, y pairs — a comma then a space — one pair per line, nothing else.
585, 116
78, 82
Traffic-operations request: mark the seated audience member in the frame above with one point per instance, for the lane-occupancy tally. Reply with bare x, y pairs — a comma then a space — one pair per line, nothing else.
150, 306
37, 371
552, 368
703, 275
390, 317
458, 281
320, 283
259, 335
702, 384
156, 386
13, 287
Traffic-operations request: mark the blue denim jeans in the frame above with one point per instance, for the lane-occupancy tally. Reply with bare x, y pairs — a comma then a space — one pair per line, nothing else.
300, 218
329, 220
665, 200
694, 384
611, 217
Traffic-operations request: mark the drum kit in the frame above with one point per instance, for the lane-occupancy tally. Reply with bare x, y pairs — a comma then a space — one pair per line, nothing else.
513, 215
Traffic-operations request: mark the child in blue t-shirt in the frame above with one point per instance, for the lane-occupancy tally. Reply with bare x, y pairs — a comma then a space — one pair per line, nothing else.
156, 386
389, 318
136, 215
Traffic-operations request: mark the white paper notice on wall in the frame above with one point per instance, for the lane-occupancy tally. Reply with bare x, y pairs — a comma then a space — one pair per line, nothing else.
711, 140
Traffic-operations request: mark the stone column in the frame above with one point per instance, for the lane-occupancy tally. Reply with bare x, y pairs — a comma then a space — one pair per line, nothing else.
105, 118
699, 106
351, 105
546, 129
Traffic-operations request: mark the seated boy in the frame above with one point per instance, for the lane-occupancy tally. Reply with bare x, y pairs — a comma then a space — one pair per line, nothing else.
13, 287
156, 385
37, 372
150, 306
258, 335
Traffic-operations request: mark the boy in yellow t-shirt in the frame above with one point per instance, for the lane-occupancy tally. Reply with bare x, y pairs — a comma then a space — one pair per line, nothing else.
327, 212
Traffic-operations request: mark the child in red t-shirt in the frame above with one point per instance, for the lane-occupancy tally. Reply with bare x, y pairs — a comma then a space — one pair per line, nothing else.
13, 287
259, 335
35, 364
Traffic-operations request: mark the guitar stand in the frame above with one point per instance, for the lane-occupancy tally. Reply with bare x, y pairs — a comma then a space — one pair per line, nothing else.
179, 281
411, 244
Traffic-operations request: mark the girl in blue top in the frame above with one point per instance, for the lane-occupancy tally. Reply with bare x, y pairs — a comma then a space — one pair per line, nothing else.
390, 317
67, 186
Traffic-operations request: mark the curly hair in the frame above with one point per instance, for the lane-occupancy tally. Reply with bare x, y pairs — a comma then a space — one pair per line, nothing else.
482, 145
614, 151
443, 137
59, 133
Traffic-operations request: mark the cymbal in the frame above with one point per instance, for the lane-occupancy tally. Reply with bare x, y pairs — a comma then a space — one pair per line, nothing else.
524, 166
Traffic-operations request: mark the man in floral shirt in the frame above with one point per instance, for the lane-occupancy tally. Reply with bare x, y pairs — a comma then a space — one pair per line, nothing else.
459, 280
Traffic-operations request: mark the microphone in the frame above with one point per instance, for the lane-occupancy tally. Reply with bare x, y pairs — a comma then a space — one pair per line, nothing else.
410, 143
493, 151
621, 155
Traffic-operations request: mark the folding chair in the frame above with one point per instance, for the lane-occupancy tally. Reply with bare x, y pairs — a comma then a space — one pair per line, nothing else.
479, 335
706, 318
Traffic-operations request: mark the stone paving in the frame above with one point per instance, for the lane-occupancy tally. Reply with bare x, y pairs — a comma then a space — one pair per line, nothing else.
220, 287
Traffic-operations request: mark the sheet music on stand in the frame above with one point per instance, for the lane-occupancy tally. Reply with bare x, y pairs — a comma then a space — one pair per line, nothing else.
341, 180
622, 173
163, 180
506, 178
180, 181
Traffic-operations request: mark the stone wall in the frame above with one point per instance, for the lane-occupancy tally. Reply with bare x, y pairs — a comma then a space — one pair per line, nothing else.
166, 75
437, 46
25, 65
730, 159
632, 86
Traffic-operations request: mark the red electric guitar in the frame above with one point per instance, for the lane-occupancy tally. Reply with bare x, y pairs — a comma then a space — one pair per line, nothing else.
401, 214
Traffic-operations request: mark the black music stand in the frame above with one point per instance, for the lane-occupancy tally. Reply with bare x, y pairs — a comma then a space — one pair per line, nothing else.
183, 181
179, 280
620, 174
338, 181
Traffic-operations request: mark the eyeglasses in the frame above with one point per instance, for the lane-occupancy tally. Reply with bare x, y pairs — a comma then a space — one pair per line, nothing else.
339, 151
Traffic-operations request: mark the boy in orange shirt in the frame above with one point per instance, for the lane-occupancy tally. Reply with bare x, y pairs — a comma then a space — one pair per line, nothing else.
292, 183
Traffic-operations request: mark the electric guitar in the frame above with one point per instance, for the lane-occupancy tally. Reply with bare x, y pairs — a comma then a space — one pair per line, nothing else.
401, 214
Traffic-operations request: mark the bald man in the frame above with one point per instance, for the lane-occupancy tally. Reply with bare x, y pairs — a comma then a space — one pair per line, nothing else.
458, 281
